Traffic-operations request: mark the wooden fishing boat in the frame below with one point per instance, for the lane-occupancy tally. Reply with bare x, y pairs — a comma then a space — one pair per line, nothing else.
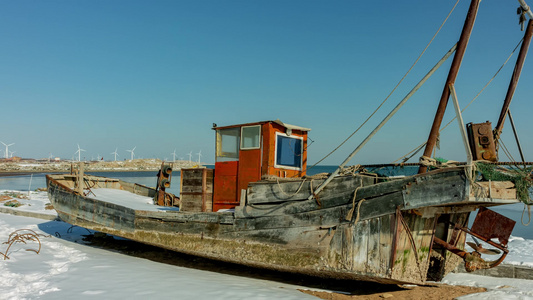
359, 226
258, 207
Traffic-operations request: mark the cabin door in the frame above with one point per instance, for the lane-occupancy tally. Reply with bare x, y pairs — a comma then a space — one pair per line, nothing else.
225, 190
226, 169
249, 157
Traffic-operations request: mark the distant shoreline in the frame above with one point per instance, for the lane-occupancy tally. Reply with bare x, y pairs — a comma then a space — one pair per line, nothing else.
29, 172
137, 165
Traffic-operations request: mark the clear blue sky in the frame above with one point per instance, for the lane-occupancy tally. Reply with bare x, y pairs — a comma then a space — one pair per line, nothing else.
157, 74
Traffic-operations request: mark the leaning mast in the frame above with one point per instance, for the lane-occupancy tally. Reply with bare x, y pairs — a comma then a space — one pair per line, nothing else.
452, 75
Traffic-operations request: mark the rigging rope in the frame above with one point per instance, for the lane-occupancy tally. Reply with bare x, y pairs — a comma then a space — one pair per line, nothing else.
528, 213
297, 191
506, 151
394, 89
349, 216
453, 119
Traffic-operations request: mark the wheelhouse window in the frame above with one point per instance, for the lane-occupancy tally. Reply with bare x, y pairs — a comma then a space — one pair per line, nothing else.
250, 137
228, 141
288, 151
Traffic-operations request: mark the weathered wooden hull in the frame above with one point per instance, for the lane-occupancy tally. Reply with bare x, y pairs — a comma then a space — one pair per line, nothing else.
383, 233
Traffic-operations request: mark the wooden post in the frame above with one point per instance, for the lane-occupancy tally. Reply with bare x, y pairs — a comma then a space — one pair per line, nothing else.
81, 183
204, 189
452, 75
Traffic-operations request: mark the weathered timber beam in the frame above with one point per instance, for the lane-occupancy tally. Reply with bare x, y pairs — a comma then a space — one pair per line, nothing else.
183, 217
276, 192
337, 198
332, 216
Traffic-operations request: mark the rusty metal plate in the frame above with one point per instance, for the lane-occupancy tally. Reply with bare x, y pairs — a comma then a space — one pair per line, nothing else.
490, 224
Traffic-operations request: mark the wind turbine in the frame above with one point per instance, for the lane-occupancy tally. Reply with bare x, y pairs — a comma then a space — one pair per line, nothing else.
7, 149
11, 153
199, 156
173, 155
132, 153
49, 157
190, 156
79, 152
115, 153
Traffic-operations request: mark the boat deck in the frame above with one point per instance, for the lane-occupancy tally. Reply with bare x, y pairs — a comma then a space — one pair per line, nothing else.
127, 199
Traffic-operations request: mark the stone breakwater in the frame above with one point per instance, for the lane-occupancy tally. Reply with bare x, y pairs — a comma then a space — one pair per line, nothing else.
98, 166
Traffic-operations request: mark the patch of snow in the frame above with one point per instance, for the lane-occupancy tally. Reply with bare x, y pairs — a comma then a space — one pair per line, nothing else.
520, 252
36, 202
497, 288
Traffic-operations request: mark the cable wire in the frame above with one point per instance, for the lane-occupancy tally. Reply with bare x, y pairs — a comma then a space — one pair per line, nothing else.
394, 89
481, 91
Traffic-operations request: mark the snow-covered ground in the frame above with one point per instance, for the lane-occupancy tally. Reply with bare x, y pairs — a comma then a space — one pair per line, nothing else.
67, 268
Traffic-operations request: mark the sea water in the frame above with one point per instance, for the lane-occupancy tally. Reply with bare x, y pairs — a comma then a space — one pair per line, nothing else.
149, 178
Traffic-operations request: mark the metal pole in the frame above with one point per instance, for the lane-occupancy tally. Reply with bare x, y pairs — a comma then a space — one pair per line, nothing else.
452, 75
516, 136
387, 118
514, 80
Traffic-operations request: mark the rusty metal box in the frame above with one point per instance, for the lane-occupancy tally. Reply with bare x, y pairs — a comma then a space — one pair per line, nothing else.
482, 141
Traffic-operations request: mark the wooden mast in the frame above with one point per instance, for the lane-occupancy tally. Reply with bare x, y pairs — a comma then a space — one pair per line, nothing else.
514, 80
452, 75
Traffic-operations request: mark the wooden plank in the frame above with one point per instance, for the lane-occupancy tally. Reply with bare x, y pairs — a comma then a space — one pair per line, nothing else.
412, 251
418, 191
360, 246
346, 248
371, 207
374, 249
322, 217
423, 193
385, 242
426, 242
400, 254
197, 190
497, 184
191, 203
183, 217
196, 186
418, 232
335, 251
496, 189
283, 191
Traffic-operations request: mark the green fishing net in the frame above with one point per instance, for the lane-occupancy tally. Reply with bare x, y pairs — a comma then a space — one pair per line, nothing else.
522, 178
